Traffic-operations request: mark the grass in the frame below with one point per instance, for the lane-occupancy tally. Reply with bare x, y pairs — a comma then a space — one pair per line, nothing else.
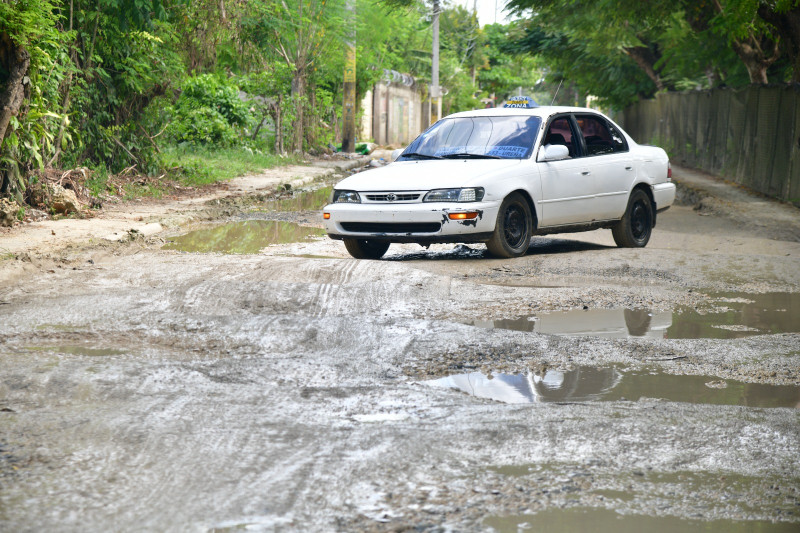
197, 166
189, 166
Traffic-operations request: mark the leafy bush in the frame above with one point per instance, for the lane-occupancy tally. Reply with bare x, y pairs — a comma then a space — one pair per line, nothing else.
204, 126
209, 111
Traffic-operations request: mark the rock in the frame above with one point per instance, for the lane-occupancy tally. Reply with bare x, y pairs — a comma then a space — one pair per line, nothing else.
35, 215
9, 210
64, 200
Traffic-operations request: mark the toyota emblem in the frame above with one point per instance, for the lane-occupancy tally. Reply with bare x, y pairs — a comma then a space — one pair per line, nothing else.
391, 197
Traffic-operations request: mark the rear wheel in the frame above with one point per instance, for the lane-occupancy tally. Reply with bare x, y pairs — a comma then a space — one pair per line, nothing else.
363, 249
512, 233
636, 225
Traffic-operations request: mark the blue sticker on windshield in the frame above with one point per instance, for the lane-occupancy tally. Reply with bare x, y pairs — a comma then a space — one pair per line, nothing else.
508, 152
505, 151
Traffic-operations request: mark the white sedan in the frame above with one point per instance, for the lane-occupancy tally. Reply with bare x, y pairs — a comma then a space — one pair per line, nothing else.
502, 175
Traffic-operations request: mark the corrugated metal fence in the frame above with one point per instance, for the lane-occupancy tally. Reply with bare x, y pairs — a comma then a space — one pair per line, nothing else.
750, 136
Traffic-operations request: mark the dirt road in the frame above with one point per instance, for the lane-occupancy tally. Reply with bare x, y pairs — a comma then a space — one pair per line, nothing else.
155, 384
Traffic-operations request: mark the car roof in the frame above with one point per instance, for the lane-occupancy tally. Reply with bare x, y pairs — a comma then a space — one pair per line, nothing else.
542, 111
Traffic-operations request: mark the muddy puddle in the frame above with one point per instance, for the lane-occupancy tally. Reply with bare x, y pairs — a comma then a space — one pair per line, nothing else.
739, 315
584, 384
313, 200
607, 521
78, 350
245, 237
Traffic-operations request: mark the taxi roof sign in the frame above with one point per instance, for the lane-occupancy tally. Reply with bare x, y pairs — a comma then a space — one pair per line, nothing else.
522, 102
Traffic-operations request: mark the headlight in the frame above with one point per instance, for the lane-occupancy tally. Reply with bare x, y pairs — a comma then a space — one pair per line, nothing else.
471, 194
345, 197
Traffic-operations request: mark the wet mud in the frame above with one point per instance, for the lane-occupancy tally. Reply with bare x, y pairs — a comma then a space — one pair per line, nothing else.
285, 388
729, 316
604, 521
586, 384
246, 237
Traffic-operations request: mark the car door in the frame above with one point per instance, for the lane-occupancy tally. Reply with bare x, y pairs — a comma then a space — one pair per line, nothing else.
567, 185
610, 164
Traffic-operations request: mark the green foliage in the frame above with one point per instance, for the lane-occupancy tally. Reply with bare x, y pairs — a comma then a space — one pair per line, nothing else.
27, 22
97, 184
29, 139
217, 94
506, 69
202, 126
663, 44
116, 84
209, 111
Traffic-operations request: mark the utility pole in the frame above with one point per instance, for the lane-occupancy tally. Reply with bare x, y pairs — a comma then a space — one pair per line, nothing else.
435, 95
349, 89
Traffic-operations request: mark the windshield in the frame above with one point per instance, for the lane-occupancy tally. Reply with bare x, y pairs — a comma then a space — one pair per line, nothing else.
477, 137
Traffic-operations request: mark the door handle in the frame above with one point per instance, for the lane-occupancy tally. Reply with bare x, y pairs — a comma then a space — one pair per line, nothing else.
585, 173
628, 168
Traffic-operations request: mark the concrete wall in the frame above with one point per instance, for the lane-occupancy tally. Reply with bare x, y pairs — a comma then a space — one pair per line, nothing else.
750, 136
396, 114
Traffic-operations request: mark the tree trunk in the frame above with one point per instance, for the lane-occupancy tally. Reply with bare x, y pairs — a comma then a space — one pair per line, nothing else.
16, 61
754, 59
788, 27
298, 95
646, 60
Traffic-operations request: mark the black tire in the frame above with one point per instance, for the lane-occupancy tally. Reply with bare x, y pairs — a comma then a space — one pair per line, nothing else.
512, 233
362, 249
636, 225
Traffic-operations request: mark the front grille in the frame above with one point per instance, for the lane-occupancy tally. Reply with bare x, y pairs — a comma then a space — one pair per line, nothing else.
393, 197
392, 227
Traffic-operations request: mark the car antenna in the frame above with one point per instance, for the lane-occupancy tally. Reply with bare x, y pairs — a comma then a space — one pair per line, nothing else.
559, 88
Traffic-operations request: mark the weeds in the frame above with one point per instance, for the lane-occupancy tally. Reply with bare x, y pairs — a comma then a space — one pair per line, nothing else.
197, 166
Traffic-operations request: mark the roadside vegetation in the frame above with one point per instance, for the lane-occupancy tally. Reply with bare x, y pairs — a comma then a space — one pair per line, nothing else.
159, 92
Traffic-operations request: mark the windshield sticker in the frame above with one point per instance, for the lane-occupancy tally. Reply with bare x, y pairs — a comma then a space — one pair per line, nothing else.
508, 152
463, 149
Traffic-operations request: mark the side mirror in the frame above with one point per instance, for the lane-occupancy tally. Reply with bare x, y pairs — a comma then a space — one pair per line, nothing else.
396, 153
553, 152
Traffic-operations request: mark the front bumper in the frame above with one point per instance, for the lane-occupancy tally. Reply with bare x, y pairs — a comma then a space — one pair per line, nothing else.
411, 222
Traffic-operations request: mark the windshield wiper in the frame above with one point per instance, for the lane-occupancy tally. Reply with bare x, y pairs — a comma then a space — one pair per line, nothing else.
421, 156
471, 156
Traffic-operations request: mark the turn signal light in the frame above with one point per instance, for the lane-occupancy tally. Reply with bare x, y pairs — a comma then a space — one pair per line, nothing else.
462, 216
326, 216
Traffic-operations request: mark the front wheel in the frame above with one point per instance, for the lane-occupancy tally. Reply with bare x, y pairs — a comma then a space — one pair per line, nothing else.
362, 249
636, 225
512, 233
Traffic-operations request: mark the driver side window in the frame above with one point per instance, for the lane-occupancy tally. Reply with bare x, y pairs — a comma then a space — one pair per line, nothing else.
559, 132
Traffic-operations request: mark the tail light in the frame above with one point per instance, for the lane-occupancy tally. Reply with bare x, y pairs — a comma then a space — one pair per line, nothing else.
669, 171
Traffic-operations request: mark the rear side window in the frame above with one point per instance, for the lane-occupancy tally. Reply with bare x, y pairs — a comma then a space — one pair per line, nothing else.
600, 136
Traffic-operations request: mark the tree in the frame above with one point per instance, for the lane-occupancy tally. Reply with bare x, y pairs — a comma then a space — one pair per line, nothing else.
505, 67
295, 31
23, 25
784, 17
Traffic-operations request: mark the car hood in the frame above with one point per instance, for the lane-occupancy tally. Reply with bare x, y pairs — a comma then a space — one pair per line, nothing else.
426, 175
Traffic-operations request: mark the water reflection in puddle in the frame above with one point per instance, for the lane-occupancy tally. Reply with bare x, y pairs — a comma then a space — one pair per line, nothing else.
301, 201
248, 237
78, 350
610, 384
606, 521
745, 314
